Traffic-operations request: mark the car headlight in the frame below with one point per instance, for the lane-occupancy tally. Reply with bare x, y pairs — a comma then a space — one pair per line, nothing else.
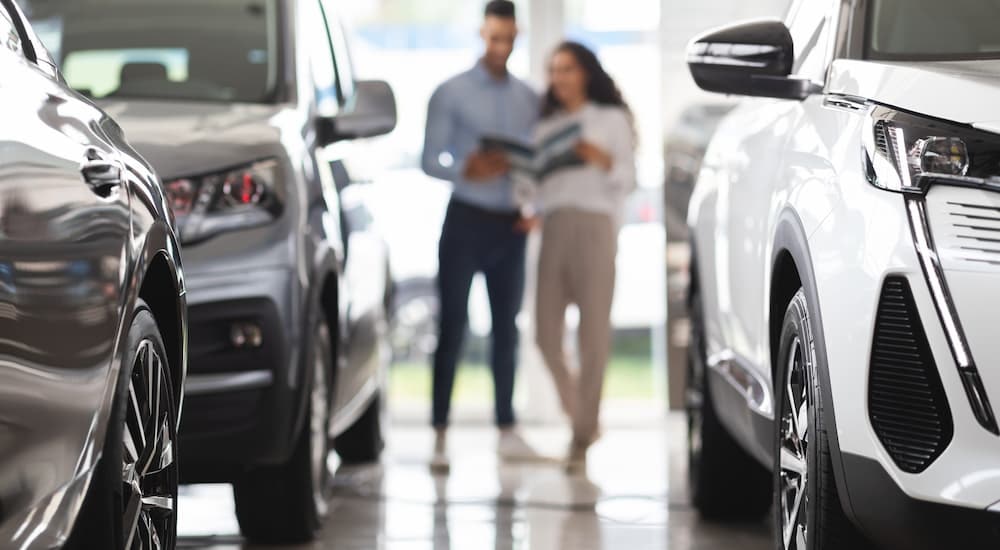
908, 153
240, 198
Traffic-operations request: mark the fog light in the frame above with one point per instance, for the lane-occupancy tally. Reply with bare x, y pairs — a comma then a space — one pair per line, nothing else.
245, 335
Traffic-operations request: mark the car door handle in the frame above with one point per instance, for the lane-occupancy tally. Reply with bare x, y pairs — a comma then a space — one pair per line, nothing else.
103, 176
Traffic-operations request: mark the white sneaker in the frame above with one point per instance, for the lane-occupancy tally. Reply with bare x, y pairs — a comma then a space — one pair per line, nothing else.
513, 448
440, 464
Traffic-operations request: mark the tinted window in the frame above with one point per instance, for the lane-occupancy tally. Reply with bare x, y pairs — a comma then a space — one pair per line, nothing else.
933, 29
222, 50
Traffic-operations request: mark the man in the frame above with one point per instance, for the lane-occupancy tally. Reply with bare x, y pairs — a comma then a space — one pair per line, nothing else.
483, 231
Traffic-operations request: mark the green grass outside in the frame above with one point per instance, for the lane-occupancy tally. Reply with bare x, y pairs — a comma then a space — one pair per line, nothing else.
629, 378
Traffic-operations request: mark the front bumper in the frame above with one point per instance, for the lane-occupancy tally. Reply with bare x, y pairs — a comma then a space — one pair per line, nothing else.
864, 241
241, 402
893, 519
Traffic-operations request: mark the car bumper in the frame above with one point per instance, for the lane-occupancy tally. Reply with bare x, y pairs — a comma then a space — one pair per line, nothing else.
892, 519
866, 239
241, 399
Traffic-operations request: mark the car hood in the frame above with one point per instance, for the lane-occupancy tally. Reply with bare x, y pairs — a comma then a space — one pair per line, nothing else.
959, 91
186, 138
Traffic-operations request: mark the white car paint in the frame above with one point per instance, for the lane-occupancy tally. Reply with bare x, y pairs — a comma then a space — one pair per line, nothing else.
772, 157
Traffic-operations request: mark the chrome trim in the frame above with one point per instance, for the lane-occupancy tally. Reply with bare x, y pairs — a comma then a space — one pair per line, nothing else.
202, 384
845, 103
742, 377
930, 263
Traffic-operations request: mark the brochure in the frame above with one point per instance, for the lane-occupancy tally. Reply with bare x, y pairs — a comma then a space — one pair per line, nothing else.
553, 152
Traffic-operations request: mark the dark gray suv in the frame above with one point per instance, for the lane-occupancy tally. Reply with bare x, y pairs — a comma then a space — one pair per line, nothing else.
250, 112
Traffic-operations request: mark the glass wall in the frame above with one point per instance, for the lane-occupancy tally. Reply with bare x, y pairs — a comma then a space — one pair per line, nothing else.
416, 45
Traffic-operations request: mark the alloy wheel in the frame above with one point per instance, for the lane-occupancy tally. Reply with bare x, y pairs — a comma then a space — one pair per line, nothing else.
149, 466
793, 449
319, 408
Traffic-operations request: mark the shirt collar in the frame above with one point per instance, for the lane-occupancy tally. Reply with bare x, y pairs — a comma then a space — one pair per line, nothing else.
484, 75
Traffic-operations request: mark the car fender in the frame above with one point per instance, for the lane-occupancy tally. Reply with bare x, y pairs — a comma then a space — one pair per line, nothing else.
324, 264
790, 238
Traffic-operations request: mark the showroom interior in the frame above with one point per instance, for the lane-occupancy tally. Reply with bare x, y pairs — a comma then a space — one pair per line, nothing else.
228, 274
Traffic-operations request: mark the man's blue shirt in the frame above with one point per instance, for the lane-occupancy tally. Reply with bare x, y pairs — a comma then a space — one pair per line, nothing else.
466, 108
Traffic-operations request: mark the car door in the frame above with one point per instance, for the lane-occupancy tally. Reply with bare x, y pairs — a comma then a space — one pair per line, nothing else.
64, 230
764, 168
364, 264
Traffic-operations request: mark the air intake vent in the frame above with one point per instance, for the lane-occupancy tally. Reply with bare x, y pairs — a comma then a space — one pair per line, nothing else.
881, 140
906, 401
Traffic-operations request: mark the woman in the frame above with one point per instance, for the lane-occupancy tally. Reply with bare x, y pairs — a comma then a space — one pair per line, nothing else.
581, 208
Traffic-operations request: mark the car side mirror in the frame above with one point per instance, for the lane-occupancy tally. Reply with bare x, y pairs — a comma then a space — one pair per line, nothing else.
371, 112
751, 59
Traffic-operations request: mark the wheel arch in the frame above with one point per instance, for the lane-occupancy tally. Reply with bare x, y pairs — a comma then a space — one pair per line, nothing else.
161, 286
322, 298
791, 264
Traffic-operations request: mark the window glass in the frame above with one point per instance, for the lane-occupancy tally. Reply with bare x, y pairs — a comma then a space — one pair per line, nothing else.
345, 68
933, 29
810, 25
98, 73
8, 33
324, 71
224, 50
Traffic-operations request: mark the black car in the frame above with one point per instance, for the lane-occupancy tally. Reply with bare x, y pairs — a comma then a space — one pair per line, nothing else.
250, 111
93, 330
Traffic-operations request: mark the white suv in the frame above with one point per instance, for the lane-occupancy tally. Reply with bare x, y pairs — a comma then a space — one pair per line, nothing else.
846, 286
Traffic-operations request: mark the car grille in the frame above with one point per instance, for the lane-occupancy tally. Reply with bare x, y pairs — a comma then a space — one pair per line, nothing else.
966, 228
906, 400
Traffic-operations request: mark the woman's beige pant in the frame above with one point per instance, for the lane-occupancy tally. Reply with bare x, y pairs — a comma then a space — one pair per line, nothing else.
576, 265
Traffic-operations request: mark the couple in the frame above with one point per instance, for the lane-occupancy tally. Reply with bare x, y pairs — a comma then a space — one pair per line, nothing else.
485, 228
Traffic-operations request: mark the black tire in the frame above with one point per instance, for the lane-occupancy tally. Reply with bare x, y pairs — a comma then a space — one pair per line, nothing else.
820, 523
725, 482
286, 503
136, 463
363, 443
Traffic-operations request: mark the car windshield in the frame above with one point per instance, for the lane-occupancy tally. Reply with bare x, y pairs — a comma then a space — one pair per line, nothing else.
922, 30
218, 50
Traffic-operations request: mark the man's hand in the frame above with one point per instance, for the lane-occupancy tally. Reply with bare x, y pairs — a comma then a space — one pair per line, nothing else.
527, 224
484, 166
594, 155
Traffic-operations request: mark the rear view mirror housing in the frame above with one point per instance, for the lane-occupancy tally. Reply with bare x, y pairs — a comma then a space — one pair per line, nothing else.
371, 112
751, 59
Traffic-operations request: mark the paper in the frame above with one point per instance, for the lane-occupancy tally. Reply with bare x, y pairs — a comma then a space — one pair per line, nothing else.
553, 152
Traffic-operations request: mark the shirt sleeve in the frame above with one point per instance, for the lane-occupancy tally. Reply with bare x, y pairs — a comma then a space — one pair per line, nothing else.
623, 173
438, 139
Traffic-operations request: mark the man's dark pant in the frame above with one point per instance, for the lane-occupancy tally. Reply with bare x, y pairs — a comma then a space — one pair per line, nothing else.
478, 241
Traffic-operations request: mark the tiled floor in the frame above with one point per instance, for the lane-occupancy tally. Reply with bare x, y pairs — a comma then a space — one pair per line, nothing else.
631, 499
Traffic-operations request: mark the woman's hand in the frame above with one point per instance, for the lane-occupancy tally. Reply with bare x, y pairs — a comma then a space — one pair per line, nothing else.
594, 155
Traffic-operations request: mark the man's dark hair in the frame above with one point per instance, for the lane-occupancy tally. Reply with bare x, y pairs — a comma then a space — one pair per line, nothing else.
501, 8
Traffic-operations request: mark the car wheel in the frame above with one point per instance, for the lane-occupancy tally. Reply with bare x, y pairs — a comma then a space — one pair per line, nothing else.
808, 513
285, 504
132, 500
725, 482
363, 443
